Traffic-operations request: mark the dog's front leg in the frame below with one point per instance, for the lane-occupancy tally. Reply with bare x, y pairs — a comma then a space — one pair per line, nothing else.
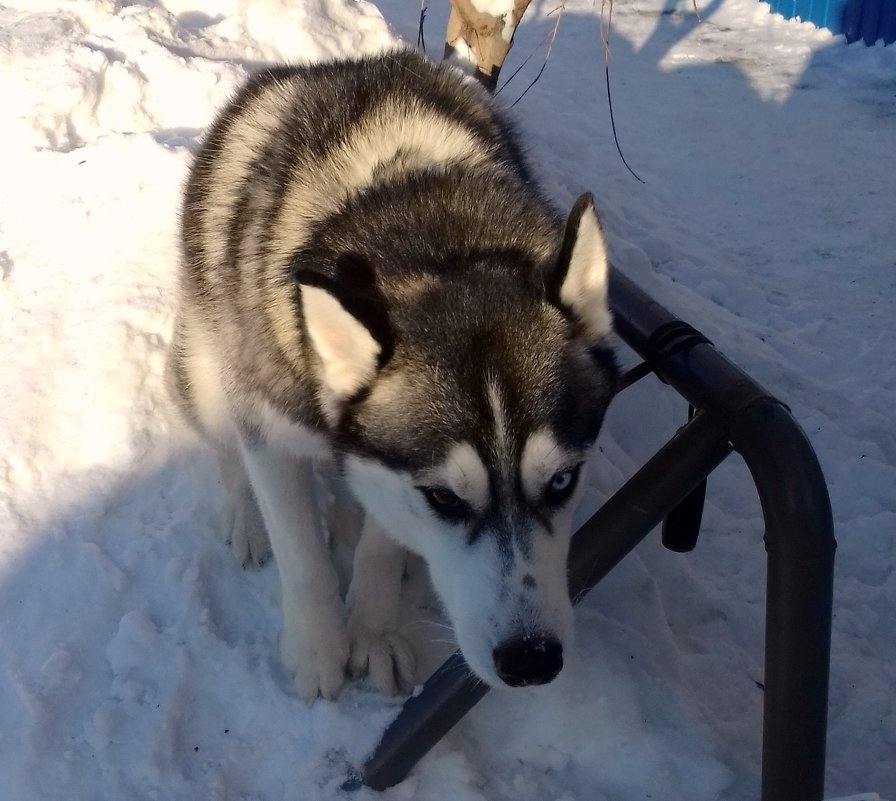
314, 643
374, 597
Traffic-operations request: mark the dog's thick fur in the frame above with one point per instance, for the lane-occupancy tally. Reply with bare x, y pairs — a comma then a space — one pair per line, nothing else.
372, 279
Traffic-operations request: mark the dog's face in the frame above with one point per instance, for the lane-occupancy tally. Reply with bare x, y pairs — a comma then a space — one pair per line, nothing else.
478, 470
469, 442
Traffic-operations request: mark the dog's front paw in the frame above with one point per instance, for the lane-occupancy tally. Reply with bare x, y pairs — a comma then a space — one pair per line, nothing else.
243, 528
387, 657
315, 660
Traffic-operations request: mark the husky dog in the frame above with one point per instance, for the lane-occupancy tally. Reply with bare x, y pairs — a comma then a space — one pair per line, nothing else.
371, 279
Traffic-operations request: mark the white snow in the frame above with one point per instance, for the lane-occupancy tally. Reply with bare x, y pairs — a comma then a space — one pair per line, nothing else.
138, 661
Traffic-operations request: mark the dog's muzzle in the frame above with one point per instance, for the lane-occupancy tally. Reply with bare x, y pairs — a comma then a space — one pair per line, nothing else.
527, 660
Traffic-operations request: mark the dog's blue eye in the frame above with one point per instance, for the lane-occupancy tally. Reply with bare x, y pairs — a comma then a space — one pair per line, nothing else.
445, 503
561, 481
561, 486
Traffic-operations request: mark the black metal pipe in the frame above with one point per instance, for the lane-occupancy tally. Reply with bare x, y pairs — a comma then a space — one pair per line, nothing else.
447, 696
689, 363
598, 546
642, 503
799, 540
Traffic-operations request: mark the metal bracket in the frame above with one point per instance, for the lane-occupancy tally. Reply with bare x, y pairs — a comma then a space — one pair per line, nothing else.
681, 528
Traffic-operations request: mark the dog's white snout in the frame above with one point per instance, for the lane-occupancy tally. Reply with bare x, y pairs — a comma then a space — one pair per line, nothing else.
528, 659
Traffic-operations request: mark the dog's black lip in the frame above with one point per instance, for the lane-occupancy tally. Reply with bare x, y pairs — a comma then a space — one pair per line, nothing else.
520, 681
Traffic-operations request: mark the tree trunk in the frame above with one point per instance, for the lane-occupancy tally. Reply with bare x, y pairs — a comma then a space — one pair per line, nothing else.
483, 37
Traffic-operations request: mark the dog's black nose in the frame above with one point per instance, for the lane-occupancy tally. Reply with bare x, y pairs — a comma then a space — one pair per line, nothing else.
528, 660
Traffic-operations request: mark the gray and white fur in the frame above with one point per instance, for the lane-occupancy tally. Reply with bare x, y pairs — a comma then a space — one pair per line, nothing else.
372, 280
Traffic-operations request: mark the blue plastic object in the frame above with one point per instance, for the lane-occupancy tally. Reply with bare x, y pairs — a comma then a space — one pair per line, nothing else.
869, 20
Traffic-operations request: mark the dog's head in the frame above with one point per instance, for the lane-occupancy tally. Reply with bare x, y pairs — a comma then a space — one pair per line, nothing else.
465, 406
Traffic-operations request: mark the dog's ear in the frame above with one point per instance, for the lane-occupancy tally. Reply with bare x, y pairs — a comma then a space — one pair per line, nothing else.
578, 281
348, 326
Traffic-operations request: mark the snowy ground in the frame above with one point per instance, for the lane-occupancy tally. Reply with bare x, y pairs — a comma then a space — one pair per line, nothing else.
137, 660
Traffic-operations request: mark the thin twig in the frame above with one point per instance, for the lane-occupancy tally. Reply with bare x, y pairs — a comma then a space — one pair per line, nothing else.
421, 43
606, 37
547, 55
526, 60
